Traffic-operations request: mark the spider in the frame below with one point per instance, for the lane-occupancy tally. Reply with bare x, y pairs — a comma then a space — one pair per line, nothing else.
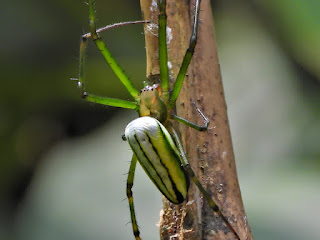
152, 138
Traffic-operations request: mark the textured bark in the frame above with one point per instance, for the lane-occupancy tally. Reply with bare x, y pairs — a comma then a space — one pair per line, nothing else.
210, 153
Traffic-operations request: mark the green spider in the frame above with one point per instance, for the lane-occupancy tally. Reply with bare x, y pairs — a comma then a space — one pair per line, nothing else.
153, 140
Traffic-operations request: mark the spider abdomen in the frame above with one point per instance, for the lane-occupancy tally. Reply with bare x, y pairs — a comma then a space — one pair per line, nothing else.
157, 153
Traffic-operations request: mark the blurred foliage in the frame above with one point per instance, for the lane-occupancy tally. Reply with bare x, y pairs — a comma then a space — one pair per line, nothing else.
269, 53
38, 56
297, 24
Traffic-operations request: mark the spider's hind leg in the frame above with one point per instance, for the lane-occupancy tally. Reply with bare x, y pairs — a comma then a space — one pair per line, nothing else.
191, 174
132, 169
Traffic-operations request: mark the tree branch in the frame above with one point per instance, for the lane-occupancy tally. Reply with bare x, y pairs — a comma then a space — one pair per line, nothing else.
210, 153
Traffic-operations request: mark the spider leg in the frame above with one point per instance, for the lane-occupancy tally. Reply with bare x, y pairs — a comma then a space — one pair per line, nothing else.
190, 172
106, 54
130, 197
163, 54
97, 99
187, 58
200, 128
93, 98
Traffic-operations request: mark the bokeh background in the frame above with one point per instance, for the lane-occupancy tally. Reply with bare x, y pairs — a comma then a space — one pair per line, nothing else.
63, 164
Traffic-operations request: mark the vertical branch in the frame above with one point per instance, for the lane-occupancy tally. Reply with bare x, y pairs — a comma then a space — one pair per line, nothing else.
210, 153
150, 11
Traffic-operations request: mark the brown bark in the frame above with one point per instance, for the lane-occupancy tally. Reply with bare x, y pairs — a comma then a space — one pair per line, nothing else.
210, 153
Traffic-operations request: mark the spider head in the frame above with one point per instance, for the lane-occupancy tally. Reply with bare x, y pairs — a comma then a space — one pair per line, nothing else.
149, 94
151, 103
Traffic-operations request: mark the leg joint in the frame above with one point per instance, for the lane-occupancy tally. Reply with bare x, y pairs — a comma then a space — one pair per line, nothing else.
84, 95
129, 191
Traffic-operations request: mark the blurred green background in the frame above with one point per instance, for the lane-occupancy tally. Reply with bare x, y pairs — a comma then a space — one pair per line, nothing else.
63, 162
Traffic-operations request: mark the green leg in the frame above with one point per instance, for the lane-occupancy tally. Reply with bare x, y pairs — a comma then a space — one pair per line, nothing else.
191, 124
191, 174
113, 102
163, 55
200, 128
107, 55
186, 59
130, 197
206, 195
90, 97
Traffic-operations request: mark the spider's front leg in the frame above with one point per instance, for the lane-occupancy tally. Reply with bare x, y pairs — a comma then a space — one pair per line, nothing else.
111, 61
187, 58
108, 56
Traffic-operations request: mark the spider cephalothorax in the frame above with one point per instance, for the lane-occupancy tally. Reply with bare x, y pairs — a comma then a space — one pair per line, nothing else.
151, 103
